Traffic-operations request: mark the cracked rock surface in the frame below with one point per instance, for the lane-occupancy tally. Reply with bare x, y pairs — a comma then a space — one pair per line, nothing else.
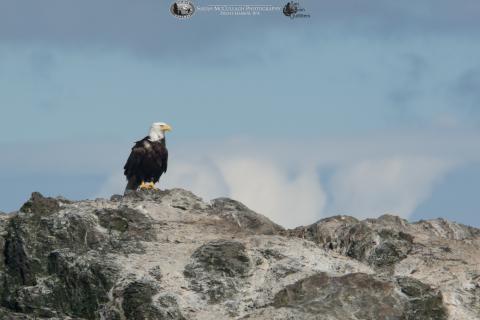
170, 255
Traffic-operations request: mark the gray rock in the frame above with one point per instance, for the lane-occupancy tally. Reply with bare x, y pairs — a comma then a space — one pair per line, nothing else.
244, 218
137, 300
346, 296
176, 198
127, 223
156, 273
167, 307
448, 230
424, 302
375, 242
40, 205
217, 268
82, 282
361, 296
169, 255
140, 301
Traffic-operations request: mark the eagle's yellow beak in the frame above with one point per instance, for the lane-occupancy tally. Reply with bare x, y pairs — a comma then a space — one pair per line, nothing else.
166, 127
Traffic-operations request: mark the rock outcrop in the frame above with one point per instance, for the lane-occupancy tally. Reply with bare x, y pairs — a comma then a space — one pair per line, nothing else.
170, 255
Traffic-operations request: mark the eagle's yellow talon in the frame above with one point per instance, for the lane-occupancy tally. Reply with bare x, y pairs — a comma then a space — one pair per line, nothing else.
147, 186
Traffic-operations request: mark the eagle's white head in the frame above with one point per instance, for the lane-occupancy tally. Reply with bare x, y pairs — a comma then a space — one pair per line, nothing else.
157, 131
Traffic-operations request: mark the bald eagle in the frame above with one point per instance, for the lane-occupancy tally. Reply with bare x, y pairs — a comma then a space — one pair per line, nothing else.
148, 159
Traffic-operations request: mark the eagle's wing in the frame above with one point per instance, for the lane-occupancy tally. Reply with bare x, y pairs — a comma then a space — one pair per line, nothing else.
135, 159
161, 154
165, 161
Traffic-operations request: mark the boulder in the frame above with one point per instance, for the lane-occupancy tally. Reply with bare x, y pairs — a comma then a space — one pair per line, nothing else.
170, 255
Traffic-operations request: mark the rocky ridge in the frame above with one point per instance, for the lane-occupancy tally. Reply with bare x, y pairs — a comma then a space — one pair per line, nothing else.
170, 255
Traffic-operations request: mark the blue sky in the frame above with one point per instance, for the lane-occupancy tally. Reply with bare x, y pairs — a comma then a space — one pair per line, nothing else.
365, 108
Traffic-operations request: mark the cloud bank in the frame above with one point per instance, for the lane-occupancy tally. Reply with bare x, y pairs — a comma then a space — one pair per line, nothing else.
266, 187
395, 185
291, 190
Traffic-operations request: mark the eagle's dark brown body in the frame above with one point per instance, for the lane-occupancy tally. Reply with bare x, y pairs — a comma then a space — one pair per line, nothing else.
146, 163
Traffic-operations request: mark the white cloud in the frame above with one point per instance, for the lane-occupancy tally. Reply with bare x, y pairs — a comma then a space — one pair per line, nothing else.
262, 185
370, 176
266, 187
115, 184
395, 185
201, 176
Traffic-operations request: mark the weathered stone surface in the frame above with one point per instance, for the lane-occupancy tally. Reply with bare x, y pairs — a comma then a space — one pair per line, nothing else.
18, 265
169, 255
127, 223
361, 296
137, 300
347, 296
167, 307
447, 229
40, 205
244, 218
176, 198
372, 241
424, 302
82, 282
217, 269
